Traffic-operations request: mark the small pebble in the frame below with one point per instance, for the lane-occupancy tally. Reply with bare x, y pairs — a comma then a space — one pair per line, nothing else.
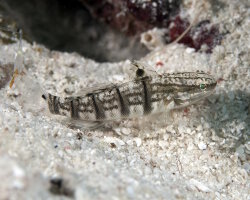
190, 50
202, 146
114, 140
18, 172
188, 130
69, 134
130, 192
138, 141
118, 131
125, 131
200, 186
118, 77
199, 128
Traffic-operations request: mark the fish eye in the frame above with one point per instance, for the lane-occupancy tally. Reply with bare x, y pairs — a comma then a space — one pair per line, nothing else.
202, 86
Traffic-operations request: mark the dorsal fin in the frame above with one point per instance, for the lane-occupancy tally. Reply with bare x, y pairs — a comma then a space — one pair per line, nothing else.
100, 88
90, 90
142, 69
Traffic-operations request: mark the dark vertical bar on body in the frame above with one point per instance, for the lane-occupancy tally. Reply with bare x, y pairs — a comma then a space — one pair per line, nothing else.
56, 105
147, 103
124, 106
98, 108
74, 108
53, 102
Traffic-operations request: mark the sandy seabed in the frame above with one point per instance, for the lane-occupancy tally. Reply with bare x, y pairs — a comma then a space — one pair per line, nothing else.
200, 153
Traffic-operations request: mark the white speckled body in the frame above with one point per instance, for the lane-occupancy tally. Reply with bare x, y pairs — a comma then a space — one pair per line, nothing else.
142, 96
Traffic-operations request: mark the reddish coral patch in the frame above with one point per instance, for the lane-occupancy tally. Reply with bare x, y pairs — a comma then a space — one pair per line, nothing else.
159, 64
202, 34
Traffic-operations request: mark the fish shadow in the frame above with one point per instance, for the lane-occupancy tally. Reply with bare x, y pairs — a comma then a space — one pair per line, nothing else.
228, 114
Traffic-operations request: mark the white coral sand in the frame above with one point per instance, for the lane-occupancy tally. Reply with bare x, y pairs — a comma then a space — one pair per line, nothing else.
202, 154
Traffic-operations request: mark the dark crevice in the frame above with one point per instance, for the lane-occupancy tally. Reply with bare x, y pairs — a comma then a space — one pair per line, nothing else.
68, 26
